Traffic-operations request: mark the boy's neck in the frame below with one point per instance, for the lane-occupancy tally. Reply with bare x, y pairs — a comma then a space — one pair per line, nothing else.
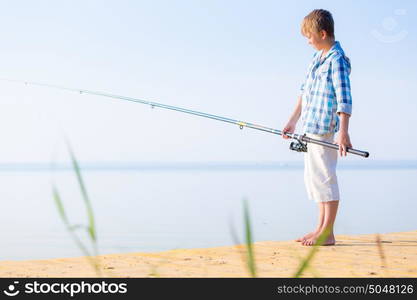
327, 47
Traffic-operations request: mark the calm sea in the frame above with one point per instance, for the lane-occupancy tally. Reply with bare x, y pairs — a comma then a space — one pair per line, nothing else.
144, 207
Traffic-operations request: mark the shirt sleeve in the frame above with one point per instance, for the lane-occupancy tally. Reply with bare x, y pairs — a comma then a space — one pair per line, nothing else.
341, 84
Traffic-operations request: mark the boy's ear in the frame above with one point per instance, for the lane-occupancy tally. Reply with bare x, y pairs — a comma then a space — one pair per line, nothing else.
323, 34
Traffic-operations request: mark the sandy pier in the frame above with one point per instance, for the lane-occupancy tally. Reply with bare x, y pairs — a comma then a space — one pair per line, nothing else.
352, 256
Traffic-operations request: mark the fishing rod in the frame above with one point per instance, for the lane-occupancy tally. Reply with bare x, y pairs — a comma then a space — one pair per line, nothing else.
301, 140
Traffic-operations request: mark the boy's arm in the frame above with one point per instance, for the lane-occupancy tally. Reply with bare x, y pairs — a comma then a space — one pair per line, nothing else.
341, 84
297, 111
291, 124
343, 139
344, 123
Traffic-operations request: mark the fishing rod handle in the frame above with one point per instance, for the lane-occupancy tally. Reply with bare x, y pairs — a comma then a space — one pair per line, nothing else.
349, 150
334, 146
358, 152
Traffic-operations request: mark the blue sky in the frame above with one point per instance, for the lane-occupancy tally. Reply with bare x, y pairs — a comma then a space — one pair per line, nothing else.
239, 59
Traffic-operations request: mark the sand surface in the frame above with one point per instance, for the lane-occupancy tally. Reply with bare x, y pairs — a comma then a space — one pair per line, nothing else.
352, 256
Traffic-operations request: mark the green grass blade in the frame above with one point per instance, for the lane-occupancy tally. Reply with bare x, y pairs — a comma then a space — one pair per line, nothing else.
59, 205
91, 229
306, 262
91, 223
70, 228
233, 233
236, 240
77, 226
249, 240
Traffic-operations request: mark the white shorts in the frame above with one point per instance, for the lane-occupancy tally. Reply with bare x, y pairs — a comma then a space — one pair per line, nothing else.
320, 170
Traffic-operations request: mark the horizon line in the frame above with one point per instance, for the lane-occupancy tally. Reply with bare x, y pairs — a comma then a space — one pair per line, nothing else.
195, 165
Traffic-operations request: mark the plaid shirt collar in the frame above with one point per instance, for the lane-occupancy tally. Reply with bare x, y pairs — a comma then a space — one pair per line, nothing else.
335, 48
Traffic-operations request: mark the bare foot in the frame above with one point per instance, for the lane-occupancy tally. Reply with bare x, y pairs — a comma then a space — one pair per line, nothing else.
313, 240
307, 236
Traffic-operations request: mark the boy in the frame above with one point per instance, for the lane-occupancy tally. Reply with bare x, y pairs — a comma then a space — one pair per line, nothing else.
325, 105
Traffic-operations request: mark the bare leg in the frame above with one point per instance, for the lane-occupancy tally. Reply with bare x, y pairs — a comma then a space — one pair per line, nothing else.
330, 211
320, 222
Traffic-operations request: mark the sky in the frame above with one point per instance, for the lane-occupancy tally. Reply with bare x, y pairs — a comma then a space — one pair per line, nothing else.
239, 59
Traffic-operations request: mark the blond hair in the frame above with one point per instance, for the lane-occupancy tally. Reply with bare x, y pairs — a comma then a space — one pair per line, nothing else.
316, 21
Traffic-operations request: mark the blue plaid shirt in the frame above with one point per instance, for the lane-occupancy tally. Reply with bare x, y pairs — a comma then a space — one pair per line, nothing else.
326, 92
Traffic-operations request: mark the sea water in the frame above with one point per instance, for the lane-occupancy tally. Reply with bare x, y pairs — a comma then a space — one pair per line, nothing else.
156, 207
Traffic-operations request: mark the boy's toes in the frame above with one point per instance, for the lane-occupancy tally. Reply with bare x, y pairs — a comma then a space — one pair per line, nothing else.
308, 242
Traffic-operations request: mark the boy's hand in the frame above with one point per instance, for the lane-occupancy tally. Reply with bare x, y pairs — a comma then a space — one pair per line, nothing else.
343, 140
290, 128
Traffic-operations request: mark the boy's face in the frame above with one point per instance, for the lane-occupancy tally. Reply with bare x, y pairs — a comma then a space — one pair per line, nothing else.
317, 40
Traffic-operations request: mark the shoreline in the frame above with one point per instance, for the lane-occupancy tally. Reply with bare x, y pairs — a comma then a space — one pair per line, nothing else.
352, 256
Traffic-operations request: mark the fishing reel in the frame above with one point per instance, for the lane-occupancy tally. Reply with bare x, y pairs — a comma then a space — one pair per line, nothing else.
298, 146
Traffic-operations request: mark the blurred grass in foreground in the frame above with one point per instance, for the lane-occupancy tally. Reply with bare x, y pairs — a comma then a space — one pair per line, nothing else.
305, 263
248, 255
90, 228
